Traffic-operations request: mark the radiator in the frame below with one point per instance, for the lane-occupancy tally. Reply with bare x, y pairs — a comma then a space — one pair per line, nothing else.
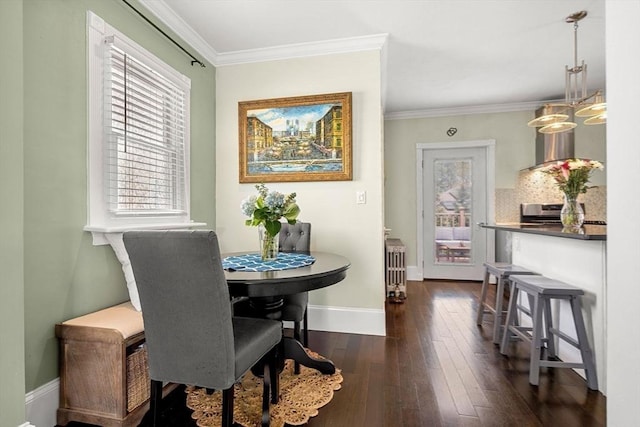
396, 269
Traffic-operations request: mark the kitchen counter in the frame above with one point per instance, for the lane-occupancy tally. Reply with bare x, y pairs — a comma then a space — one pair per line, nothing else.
574, 258
587, 232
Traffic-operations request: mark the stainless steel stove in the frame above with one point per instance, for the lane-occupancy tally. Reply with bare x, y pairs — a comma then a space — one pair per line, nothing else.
546, 213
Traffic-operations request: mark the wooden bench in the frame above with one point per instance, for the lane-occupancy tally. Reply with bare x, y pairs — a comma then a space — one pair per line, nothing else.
104, 377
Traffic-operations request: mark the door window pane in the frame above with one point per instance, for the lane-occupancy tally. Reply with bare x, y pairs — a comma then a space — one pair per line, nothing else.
452, 210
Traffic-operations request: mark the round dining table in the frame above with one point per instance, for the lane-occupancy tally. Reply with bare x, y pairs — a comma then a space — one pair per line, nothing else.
265, 290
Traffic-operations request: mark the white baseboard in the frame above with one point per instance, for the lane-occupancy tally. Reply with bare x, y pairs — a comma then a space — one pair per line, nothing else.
41, 405
414, 273
26, 425
347, 320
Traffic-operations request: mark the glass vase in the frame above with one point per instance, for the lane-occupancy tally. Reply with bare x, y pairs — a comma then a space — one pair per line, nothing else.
571, 215
268, 244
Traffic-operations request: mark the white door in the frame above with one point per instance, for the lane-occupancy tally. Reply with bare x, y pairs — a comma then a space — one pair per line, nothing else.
455, 199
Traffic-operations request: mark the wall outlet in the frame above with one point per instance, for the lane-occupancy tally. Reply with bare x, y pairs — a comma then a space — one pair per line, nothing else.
361, 197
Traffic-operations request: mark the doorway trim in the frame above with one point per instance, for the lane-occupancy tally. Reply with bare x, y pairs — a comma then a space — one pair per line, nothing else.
490, 151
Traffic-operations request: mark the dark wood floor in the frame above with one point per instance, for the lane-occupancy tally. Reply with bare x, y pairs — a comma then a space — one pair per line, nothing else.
435, 367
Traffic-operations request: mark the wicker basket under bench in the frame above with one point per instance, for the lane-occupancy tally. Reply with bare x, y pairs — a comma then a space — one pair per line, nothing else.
104, 378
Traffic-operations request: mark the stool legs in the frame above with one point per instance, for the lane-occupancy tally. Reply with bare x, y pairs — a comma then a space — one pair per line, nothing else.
542, 329
483, 308
497, 319
536, 340
511, 315
483, 296
502, 272
583, 343
548, 324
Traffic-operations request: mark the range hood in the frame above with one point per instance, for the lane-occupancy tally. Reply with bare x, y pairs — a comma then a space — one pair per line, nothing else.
551, 147
555, 146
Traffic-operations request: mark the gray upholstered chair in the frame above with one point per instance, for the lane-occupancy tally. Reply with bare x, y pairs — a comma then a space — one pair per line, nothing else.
191, 336
296, 238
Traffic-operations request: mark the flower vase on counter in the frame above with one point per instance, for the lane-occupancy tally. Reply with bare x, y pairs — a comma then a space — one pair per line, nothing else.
571, 177
269, 245
572, 214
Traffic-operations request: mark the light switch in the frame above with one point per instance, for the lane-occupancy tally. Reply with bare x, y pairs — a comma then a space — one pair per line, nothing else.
361, 197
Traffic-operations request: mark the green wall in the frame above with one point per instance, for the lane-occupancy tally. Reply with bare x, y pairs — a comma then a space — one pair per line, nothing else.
12, 387
64, 274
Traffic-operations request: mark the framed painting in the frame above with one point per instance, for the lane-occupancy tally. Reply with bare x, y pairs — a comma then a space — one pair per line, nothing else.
304, 138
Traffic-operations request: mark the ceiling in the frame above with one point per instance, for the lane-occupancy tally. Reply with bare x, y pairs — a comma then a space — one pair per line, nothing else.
441, 55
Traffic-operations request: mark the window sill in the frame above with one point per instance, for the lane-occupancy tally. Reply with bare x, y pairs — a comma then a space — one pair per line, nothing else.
99, 238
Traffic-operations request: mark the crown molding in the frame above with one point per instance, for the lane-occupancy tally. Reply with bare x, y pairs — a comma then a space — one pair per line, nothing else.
303, 50
300, 50
176, 24
459, 111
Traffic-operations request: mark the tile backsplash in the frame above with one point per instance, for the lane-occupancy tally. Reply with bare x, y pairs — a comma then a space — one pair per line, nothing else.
534, 186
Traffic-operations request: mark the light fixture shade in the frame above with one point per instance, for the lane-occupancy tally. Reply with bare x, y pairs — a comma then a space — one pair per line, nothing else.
600, 119
592, 110
549, 114
595, 108
557, 127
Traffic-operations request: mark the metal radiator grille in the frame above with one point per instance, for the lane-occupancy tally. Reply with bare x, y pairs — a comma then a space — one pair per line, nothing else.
396, 271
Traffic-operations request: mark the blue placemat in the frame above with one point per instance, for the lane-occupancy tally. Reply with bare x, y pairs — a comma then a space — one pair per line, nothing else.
253, 262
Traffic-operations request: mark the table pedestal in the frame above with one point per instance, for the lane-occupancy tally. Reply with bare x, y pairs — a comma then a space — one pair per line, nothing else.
289, 348
294, 350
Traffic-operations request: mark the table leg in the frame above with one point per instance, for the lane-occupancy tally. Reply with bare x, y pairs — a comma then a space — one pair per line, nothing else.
289, 348
293, 349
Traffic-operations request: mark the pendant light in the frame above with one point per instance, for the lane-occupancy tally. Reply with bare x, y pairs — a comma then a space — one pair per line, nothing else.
559, 117
548, 114
597, 108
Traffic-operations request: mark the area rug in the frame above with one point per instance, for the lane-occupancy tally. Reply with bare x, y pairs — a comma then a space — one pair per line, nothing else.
300, 398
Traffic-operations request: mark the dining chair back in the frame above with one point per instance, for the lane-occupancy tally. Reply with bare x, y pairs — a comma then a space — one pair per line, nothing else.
296, 238
191, 336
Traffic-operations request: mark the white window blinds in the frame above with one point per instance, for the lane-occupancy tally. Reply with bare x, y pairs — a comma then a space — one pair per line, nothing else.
145, 125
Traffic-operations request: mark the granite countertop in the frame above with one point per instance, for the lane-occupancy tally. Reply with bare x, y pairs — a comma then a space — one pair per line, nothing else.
587, 232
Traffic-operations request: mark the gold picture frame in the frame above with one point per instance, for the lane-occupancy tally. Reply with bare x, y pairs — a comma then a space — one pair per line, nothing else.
303, 138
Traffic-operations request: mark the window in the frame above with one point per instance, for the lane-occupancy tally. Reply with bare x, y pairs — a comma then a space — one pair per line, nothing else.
138, 136
145, 136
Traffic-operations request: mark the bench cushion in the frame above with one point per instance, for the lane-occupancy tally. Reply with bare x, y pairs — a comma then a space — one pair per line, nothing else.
123, 318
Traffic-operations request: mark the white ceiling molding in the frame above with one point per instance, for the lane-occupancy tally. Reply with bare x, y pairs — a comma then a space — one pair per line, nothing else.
302, 50
459, 111
181, 28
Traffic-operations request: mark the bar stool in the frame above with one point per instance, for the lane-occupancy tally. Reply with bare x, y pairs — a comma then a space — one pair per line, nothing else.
501, 271
541, 290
